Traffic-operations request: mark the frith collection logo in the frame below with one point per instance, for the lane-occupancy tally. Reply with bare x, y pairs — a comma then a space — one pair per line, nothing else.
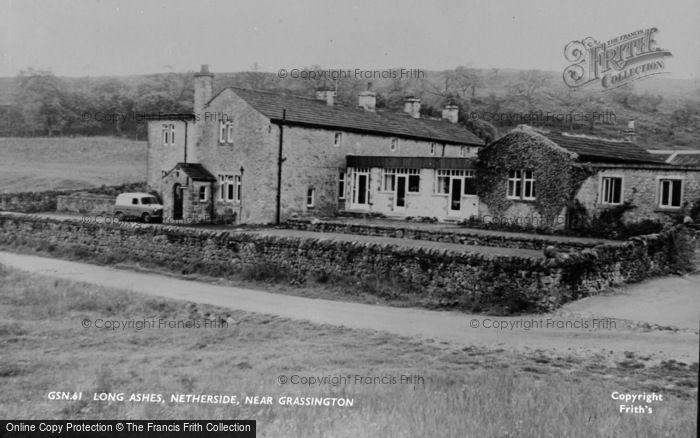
616, 62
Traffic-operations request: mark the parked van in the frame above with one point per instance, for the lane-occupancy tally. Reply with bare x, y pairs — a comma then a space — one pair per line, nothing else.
142, 206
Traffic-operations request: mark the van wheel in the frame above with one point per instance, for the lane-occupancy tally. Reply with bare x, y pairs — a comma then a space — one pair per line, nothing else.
146, 217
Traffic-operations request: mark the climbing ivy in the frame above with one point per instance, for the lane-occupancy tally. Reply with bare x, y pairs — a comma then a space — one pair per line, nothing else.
558, 175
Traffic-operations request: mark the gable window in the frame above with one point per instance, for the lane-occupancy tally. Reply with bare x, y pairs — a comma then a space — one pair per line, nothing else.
670, 193
394, 144
521, 185
226, 132
611, 190
337, 139
341, 185
168, 134
310, 197
203, 194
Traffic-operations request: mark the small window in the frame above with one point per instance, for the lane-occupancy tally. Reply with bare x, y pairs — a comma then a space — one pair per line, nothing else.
413, 183
222, 132
462, 151
202, 193
237, 187
172, 134
310, 197
168, 134
222, 187
442, 153
670, 193
514, 184
229, 132
432, 148
394, 144
134, 201
341, 185
337, 139
611, 190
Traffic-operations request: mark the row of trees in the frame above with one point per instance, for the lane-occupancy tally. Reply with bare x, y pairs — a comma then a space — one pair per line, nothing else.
45, 104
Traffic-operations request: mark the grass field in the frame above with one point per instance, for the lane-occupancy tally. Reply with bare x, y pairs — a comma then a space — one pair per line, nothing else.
64, 163
468, 392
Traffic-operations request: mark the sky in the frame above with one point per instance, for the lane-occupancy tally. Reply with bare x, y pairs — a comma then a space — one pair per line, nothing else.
123, 37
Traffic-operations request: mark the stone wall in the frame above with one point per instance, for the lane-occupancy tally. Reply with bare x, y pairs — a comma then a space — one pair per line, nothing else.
85, 203
464, 237
640, 187
441, 278
33, 202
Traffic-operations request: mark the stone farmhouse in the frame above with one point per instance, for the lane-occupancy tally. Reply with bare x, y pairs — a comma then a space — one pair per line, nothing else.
248, 156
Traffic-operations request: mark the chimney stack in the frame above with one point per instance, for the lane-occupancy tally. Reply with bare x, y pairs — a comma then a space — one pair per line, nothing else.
630, 133
326, 95
450, 113
203, 88
411, 107
368, 99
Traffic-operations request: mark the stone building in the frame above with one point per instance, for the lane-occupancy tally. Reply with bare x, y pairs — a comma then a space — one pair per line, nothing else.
246, 156
538, 175
260, 157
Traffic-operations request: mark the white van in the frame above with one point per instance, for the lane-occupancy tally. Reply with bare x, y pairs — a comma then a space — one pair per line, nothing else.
142, 206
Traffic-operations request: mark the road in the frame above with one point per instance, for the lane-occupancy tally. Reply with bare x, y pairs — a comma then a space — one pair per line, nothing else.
451, 327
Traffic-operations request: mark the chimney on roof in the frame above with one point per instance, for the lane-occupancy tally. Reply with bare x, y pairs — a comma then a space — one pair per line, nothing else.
450, 113
411, 107
630, 132
367, 99
203, 88
326, 95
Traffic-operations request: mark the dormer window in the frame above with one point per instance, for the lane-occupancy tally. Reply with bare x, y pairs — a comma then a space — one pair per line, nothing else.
226, 132
394, 144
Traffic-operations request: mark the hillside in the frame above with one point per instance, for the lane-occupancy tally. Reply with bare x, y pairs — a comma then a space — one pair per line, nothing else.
666, 110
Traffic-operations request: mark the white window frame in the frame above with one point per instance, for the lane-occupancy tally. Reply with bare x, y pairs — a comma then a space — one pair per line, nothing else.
394, 144
229, 132
515, 181
606, 189
659, 185
449, 175
203, 189
310, 197
341, 185
392, 172
462, 151
337, 139
529, 183
167, 134
230, 188
225, 132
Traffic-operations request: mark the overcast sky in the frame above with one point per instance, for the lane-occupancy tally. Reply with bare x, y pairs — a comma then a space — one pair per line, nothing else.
118, 37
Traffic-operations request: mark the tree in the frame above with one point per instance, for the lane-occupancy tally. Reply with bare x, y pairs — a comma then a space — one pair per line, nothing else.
528, 84
42, 98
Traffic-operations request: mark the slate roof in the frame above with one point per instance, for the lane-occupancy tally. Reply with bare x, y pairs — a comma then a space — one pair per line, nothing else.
195, 171
686, 160
315, 113
597, 150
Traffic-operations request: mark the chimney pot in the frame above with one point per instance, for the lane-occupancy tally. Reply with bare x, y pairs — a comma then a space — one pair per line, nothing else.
368, 99
326, 95
451, 113
412, 107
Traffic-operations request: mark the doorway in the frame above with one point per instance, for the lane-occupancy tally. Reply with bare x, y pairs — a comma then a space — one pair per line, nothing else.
360, 189
456, 194
177, 202
400, 191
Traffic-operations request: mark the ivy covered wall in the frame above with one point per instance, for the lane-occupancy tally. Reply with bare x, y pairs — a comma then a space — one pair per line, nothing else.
557, 174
